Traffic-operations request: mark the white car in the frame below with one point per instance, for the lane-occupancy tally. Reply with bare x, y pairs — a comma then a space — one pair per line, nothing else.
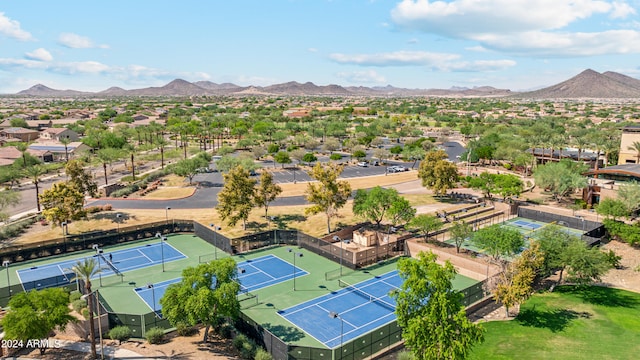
362, 164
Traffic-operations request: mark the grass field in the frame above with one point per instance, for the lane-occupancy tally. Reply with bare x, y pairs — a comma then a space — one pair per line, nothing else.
570, 323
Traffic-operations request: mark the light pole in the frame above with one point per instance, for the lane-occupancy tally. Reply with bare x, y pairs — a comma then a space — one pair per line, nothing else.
153, 299
118, 217
337, 238
582, 218
65, 231
6, 264
215, 243
166, 214
295, 255
335, 315
97, 302
162, 240
96, 247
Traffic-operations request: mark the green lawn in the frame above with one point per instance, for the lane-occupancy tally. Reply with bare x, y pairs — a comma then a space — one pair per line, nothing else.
570, 323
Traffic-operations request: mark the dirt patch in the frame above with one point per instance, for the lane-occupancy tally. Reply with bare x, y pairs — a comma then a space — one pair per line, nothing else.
628, 276
184, 347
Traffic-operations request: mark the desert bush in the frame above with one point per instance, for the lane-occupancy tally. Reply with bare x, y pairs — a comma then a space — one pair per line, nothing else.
120, 333
262, 354
78, 305
185, 329
155, 335
74, 295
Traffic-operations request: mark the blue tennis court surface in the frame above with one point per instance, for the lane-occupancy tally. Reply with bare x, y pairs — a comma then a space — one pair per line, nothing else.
266, 271
152, 295
525, 224
361, 308
58, 274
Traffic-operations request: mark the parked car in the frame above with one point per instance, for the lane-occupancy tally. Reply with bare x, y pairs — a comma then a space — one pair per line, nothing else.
396, 168
363, 164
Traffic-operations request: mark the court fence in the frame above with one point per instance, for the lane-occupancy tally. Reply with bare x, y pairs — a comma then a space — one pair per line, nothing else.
593, 233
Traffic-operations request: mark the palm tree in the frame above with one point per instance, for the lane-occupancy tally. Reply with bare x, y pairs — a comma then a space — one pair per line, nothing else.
85, 270
22, 147
66, 142
34, 173
635, 146
106, 157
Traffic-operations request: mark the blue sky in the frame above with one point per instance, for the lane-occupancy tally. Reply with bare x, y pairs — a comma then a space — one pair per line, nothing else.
514, 44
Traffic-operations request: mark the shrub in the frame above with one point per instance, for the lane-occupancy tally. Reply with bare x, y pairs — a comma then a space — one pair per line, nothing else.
74, 295
107, 207
262, 354
613, 259
405, 355
120, 333
335, 156
226, 331
78, 305
86, 313
273, 148
155, 335
185, 329
248, 350
239, 340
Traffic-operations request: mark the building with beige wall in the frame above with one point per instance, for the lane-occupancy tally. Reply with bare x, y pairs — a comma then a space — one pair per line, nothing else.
630, 134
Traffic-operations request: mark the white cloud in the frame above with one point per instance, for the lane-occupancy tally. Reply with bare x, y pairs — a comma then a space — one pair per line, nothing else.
75, 41
86, 67
546, 44
313, 50
436, 61
12, 29
397, 58
413, 41
362, 77
40, 54
477, 48
531, 27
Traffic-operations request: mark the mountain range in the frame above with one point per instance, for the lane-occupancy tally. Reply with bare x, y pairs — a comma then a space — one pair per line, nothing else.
587, 84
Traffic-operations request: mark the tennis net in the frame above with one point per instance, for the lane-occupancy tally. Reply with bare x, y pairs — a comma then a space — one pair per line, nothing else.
113, 267
366, 295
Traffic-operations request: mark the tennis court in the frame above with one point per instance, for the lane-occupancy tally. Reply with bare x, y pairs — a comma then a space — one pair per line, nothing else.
151, 295
119, 261
348, 313
521, 223
265, 271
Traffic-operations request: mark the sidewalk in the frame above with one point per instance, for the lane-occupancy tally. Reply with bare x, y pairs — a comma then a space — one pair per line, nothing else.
110, 352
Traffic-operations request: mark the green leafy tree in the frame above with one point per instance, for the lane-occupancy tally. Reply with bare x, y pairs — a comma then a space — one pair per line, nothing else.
189, 167
206, 293
106, 157
437, 328
35, 314
498, 241
629, 194
503, 184
401, 212
8, 198
328, 194
635, 146
515, 284
309, 158
438, 174
229, 162
61, 203
282, 157
359, 154
35, 173
560, 178
84, 270
235, 200
425, 224
564, 252
612, 208
80, 178
373, 204
460, 231
266, 192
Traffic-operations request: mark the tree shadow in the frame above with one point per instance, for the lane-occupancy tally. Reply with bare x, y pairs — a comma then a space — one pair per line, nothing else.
282, 221
599, 295
555, 320
285, 333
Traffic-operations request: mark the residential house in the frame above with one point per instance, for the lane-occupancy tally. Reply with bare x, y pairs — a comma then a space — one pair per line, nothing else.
628, 154
22, 134
59, 150
58, 134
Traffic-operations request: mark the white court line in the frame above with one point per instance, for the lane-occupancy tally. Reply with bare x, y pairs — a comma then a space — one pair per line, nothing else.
151, 261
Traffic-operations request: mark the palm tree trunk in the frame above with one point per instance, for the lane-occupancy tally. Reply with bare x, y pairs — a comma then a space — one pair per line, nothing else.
37, 195
92, 329
162, 157
104, 166
133, 168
